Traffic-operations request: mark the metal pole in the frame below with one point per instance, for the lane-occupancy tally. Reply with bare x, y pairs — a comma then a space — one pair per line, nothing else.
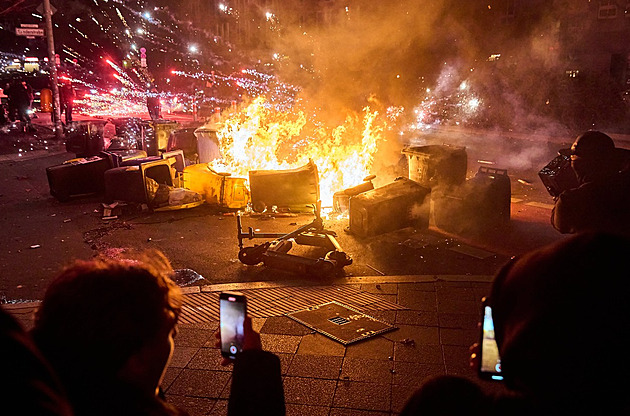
52, 64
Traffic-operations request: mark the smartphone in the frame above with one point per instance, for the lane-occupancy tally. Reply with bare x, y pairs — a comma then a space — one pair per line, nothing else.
233, 309
489, 359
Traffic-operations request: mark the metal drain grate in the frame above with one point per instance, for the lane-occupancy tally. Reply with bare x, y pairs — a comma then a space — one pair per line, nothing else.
263, 303
339, 320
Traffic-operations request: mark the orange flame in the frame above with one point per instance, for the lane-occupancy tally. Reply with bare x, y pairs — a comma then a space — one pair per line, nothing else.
259, 137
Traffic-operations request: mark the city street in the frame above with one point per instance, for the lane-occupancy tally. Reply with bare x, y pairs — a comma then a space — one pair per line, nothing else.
42, 234
357, 171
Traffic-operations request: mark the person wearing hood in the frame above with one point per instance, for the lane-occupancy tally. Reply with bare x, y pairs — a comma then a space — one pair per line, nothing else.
602, 199
561, 324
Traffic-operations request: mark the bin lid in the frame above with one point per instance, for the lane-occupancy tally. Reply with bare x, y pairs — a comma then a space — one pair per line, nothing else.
432, 149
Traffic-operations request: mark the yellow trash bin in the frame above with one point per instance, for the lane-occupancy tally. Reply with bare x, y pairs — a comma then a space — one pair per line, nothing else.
216, 188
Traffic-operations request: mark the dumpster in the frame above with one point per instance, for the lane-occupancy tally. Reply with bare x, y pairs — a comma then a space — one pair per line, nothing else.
207, 144
156, 135
434, 165
85, 138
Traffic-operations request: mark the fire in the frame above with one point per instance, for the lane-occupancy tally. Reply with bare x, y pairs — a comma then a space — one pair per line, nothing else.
261, 137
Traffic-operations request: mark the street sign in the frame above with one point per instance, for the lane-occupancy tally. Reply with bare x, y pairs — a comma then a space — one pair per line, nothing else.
28, 31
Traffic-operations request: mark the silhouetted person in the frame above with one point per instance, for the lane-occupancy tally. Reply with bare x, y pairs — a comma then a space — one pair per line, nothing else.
19, 104
153, 104
67, 94
28, 386
107, 329
602, 199
561, 321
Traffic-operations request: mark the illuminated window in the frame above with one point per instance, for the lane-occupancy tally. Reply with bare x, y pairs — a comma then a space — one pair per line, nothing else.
572, 73
494, 57
607, 9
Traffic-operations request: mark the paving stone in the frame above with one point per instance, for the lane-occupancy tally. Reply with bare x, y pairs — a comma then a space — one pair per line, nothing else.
376, 348
451, 284
225, 393
220, 408
422, 287
459, 306
461, 337
213, 340
388, 317
301, 410
208, 359
362, 369
318, 344
307, 391
285, 362
182, 355
199, 383
280, 343
284, 326
456, 360
418, 300
459, 320
380, 288
415, 373
419, 334
258, 323
195, 406
169, 376
188, 336
414, 317
445, 294
362, 396
315, 366
419, 353
401, 395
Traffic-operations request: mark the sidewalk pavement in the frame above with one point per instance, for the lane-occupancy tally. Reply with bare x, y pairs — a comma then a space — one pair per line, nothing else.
436, 319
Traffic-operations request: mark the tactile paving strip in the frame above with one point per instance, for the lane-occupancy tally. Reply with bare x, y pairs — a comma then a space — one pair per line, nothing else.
264, 303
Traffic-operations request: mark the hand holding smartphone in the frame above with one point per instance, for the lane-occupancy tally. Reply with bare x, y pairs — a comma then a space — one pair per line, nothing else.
489, 359
233, 310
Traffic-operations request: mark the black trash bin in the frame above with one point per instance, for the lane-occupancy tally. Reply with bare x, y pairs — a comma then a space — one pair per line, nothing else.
85, 138
185, 140
129, 131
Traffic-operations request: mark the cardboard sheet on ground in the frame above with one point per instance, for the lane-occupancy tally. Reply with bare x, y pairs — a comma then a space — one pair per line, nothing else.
339, 322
